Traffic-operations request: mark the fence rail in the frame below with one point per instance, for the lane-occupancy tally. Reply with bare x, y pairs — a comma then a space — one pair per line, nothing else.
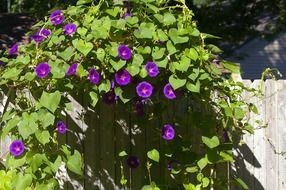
102, 133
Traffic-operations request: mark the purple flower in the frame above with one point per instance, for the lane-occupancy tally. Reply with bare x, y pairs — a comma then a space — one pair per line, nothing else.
69, 29
57, 17
93, 76
172, 162
109, 97
44, 32
61, 127
169, 91
133, 161
14, 49
41, 35
144, 89
72, 69
168, 132
122, 77
124, 52
226, 136
42, 70
152, 69
125, 15
17, 148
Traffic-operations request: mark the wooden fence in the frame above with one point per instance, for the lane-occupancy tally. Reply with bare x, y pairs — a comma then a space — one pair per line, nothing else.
261, 161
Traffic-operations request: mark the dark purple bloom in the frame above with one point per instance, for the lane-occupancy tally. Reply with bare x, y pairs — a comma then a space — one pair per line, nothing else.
37, 38
69, 29
152, 69
168, 132
124, 52
57, 17
169, 91
144, 89
42, 70
2, 63
14, 49
93, 76
17, 148
122, 77
72, 69
139, 108
133, 161
125, 15
61, 127
226, 136
172, 163
109, 97
41, 35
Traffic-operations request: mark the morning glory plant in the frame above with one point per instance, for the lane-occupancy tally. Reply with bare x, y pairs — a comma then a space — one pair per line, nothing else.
146, 60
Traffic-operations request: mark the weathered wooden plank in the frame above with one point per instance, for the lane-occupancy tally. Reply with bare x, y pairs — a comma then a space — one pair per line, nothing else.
107, 151
259, 141
281, 121
271, 135
92, 150
138, 130
122, 143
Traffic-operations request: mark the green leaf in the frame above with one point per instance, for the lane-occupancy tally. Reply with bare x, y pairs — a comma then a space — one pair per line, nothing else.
67, 54
43, 136
171, 48
137, 60
193, 54
82, 46
194, 87
158, 53
211, 142
173, 33
81, 71
193, 169
21, 181
241, 183
176, 83
46, 118
189, 186
133, 70
50, 101
169, 19
233, 67
81, 31
154, 155
100, 54
104, 86
205, 182
11, 73
28, 125
117, 65
147, 187
74, 163
202, 163
82, 2
12, 123
122, 153
94, 98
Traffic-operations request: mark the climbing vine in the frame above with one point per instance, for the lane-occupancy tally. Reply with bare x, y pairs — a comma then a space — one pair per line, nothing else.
144, 54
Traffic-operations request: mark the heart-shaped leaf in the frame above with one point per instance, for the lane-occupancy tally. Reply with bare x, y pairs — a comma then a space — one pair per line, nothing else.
211, 142
50, 100
176, 83
82, 46
154, 155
